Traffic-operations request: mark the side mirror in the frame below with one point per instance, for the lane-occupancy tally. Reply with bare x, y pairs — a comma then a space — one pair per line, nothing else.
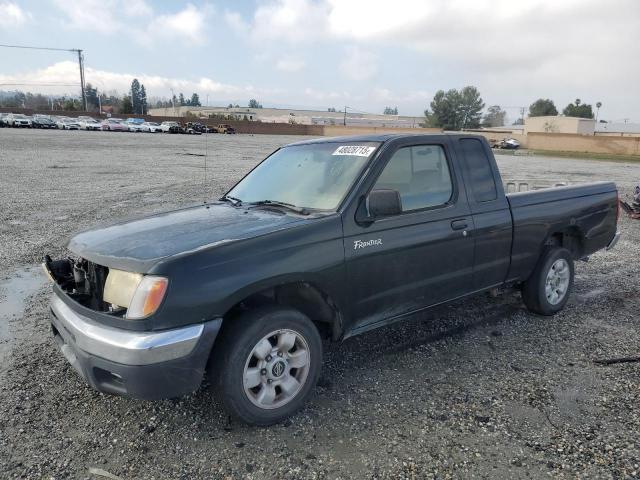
383, 202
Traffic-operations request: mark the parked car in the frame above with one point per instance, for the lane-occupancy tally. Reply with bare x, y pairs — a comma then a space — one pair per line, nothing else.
66, 123
3, 121
151, 127
190, 130
134, 124
200, 127
507, 144
326, 237
171, 127
41, 121
224, 128
88, 123
114, 124
18, 120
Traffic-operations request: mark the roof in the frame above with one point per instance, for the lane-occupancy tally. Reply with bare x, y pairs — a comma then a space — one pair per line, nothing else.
380, 137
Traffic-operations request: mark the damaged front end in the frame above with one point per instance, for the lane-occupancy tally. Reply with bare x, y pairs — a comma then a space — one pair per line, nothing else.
81, 280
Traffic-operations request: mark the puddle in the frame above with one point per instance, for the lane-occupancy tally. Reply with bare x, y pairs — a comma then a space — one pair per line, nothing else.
14, 291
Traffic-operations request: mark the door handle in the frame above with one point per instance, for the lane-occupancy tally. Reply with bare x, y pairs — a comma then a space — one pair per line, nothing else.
459, 224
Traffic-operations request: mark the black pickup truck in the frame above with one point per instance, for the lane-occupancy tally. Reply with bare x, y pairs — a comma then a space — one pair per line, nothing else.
324, 238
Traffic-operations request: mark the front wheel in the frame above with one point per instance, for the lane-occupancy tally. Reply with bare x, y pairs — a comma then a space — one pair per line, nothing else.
547, 290
267, 364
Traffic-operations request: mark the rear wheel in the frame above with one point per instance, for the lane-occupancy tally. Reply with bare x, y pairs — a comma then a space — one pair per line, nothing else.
267, 365
547, 290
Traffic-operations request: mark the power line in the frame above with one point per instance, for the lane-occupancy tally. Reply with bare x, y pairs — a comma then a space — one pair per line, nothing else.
39, 84
75, 50
41, 48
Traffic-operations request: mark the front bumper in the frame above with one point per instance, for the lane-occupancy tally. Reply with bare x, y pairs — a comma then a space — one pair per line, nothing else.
146, 365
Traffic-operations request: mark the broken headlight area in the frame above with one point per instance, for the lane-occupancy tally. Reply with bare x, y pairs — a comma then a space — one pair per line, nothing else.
83, 281
129, 295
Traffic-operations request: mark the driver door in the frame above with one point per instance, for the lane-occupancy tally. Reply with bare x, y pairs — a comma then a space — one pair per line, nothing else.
424, 255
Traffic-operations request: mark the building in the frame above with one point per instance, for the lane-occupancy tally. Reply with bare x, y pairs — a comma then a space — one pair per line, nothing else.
559, 124
303, 117
618, 129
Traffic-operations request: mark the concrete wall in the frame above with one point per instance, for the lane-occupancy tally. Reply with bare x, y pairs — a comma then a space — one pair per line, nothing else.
584, 143
559, 124
306, 117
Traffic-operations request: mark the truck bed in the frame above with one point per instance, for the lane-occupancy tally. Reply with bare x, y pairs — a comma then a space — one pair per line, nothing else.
588, 211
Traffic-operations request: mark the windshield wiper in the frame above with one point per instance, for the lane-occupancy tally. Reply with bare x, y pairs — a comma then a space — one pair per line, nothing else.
276, 203
233, 200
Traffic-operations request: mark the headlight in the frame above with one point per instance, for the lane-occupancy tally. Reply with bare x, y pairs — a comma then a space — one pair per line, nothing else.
147, 297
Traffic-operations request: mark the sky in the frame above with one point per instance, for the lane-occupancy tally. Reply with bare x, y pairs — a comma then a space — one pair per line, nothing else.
366, 54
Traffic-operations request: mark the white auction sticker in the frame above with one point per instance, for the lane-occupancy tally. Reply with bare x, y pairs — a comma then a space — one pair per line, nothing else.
357, 150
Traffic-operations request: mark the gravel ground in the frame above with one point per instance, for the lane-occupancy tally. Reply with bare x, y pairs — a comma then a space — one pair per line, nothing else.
477, 389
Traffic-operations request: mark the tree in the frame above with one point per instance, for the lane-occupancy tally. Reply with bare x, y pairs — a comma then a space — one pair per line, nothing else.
143, 100
578, 109
92, 96
230, 105
390, 111
195, 100
494, 117
127, 105
135, 96
598, 105
455, 110
471, 107
331, 109
542, 107
181, 101
70, 105
518, 121
253, 103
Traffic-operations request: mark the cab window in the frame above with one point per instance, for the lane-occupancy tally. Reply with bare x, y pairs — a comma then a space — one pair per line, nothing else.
420, 174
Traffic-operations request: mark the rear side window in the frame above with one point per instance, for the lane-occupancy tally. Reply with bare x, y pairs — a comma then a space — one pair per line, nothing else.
478, 170
420, 174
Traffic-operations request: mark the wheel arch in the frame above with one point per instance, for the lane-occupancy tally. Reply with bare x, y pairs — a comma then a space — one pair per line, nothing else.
570, 237
306, 295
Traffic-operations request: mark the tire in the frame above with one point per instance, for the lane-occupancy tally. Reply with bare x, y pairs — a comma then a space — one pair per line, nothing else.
239, 349
547, 291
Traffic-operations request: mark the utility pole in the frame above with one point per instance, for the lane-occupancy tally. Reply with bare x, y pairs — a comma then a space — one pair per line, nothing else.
344, 122
81, 65
80, 62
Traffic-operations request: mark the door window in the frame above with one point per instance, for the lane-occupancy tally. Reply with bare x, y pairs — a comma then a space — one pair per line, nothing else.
420, 174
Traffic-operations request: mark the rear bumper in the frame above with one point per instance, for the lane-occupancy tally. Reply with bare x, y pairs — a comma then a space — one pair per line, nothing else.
146, 365
613, 241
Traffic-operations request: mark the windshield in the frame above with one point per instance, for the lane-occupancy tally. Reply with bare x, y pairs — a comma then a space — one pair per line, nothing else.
316, 176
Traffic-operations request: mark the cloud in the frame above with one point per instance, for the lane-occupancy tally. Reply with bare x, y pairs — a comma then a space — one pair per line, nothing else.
93, 15
66, 73
125, 17
359, 64
290, 64
188, 24
295, 21
236, 22
12, 16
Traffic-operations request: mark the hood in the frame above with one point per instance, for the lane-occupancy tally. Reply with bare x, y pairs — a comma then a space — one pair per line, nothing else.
137, 245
